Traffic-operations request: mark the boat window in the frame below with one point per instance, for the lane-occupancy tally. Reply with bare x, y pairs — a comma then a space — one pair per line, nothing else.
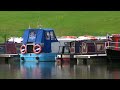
52, 35
2, 49
100, 47
47, 35
29, 48
72, 43
32, 36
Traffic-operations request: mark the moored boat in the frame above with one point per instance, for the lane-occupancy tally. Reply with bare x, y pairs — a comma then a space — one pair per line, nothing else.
113, 48
37, 45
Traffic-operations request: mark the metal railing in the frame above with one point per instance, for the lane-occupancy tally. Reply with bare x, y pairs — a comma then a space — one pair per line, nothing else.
112, 45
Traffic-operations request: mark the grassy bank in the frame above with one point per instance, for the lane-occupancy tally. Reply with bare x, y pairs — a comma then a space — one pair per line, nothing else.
13, 23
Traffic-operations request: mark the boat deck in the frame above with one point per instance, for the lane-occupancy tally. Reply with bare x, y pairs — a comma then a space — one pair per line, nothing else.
8, 55
80, 56
90, 56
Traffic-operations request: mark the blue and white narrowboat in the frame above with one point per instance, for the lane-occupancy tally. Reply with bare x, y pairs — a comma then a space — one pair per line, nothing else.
37, 45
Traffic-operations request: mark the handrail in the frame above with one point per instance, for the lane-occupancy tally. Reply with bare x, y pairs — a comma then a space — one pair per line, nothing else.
114, 42
112, 46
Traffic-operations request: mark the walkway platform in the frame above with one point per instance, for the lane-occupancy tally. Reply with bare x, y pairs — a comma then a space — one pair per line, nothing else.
8, 55
80, 56
90, 56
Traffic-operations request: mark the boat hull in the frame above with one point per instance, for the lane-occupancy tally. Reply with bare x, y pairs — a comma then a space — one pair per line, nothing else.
38, 57
113, 55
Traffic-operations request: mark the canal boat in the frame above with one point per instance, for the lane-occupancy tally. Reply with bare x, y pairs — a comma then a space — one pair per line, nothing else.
83, 48
38, 45
10, 48
113, 48
87, 47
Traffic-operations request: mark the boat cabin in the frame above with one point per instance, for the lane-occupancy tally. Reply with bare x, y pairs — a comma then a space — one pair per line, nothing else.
114, 44
38, 40
86, 47
113, 48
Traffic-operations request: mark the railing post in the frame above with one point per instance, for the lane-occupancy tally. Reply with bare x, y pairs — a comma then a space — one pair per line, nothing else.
108, 43
63, 49
69, 49
105, 46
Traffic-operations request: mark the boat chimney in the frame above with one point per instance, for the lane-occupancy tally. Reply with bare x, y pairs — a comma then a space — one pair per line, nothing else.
40, 26
29, 27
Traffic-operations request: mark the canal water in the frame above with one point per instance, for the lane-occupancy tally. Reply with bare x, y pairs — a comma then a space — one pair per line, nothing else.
54, 70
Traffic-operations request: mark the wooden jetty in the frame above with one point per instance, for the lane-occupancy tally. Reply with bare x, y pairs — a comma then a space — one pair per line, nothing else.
8, 55
80, 56
90, 56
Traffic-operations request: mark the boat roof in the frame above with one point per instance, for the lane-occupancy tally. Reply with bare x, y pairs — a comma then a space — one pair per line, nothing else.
115, 35
46, 29
38, 35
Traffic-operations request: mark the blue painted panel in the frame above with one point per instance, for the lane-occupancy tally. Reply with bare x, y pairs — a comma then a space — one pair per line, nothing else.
25, 36
32, 35
42, 56
40, 37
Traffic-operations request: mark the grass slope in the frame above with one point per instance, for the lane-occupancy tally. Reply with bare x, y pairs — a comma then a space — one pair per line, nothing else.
13, 23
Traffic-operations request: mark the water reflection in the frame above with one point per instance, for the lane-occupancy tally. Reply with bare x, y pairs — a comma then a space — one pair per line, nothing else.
33, 70
84, 71
114, 70
54, 70
10, 70
70, 70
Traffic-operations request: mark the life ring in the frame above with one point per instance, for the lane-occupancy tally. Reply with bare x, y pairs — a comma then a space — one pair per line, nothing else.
23, 49
37, 48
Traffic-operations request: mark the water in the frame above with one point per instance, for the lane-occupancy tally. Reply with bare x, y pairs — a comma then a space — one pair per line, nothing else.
54, 70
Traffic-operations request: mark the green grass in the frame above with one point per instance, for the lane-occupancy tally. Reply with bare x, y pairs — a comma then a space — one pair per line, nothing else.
13, 23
